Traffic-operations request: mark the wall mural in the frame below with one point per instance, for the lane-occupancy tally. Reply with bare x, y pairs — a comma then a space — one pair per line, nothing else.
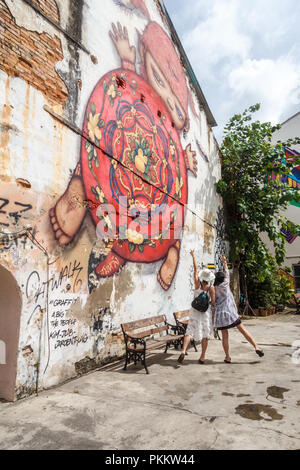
132, 157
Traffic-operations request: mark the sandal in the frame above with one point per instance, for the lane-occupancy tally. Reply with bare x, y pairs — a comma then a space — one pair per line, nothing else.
227, 362
181, 358
259, 352
201, 362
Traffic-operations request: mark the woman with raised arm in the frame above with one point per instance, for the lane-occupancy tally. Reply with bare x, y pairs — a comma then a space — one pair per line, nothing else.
226, 314
200, 326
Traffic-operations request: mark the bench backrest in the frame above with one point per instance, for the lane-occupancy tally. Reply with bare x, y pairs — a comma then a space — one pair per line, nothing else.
182, 315
297, 297
146, 327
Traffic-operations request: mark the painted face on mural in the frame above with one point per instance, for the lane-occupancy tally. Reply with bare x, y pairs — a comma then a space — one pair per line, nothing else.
162, 87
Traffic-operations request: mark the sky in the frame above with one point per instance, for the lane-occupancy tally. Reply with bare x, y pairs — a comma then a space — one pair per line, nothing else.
242, 52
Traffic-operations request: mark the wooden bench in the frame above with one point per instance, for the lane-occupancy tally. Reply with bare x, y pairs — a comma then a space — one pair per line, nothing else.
297, 302
147, 335
182, 321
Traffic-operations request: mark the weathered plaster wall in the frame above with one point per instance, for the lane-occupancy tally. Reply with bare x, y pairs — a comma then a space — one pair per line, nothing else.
54, 152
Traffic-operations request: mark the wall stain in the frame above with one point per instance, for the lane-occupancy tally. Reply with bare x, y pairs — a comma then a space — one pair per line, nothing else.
25, 128
85, 365
209, 237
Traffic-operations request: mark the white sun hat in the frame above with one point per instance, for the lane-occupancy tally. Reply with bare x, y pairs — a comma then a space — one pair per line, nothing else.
207, 275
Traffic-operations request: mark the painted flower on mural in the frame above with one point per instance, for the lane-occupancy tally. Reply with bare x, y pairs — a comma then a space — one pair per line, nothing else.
134, 237
94, 125
172, 149
93, 129
112, 90
140, 161
92, 154
141, 157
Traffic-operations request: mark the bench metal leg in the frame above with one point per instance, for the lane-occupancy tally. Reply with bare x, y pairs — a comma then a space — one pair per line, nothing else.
126, 361
144, 364
194, 344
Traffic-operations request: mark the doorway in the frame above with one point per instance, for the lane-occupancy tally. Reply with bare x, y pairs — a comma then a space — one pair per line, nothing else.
10, 314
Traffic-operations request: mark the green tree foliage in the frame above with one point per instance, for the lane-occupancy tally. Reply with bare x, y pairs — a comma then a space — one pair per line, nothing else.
254, 201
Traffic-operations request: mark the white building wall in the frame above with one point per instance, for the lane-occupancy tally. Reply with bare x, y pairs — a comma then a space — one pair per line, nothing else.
70, 317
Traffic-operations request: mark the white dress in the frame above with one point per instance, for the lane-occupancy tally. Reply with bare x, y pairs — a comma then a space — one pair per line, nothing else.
226, 314
200, 323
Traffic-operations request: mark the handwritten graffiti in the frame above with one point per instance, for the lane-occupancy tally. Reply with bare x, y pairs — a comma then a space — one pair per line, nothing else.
63, 330
39, 290
16, 215
69, 276
7, 241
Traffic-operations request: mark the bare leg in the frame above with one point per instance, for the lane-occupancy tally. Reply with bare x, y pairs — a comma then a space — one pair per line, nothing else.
186, 342
204, 344
225, 343
247, 335
169, 266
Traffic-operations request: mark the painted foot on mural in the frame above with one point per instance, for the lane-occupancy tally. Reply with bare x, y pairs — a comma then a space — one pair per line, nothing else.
67, 215
168, 269
111, 265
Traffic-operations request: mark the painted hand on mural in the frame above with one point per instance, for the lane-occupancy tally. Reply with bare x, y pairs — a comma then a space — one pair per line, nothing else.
190, 159
119, 36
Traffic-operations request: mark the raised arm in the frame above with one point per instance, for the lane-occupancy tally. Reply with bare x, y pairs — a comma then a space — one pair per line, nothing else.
196, 277
224, 260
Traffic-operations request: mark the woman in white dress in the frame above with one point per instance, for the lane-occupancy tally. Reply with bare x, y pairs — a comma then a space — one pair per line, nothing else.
200, 326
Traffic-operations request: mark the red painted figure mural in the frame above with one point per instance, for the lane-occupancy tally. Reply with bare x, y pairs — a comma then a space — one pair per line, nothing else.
134, 122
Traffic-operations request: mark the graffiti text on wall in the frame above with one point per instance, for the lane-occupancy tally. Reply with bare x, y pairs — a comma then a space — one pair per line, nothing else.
15, 215
63, 329
22, 241
70, 274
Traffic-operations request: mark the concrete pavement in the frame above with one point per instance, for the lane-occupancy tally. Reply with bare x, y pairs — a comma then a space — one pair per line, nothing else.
252, 403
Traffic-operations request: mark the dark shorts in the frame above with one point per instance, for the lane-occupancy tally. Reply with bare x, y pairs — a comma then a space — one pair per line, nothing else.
236, 323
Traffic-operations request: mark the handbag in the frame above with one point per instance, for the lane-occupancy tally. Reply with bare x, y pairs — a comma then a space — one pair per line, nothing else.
201, 303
